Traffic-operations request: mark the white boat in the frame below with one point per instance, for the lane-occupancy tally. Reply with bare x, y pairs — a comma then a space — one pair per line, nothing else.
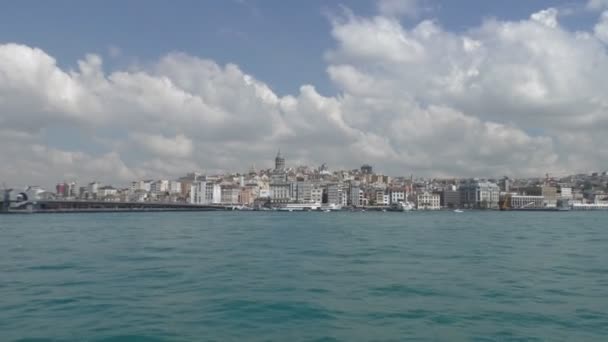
299, 207
331, 207
458, 211
402, 206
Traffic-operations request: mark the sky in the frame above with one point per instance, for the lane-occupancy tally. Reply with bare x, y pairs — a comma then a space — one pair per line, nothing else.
115, 91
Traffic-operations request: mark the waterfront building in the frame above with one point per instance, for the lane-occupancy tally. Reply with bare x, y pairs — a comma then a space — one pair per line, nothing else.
356, 196
106, 191
159, 186
397, 196
450, 198
144, 185
379, 196
247, 196
280, 192
73, 190
82, 192
61, 189
550, 195
566, 193
479, 194
334, 193
138, 196
301, 191
505, 184
526, 202
265, 193
230, 194
202, 192
174, 187
590, 206
386, 200
316, 195
428, 201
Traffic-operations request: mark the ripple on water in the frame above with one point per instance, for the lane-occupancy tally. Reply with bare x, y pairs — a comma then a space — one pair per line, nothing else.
486, 276
271, 311
130, 338
400, 290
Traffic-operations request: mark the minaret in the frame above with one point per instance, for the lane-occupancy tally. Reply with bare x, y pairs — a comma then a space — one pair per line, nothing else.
279, 162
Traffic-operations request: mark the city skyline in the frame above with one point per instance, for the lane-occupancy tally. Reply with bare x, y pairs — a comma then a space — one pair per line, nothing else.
411, 87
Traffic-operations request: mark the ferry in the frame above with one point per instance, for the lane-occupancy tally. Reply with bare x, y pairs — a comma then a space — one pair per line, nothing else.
331, 207
402, 206
590, 206
299, 207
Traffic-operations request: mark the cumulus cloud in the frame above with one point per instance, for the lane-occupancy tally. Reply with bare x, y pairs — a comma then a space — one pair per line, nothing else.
601, 28
505, 97
178, 147
546, 17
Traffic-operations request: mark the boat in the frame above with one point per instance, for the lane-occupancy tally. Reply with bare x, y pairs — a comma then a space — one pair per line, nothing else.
299, 207
458, 211
401, 206
330, 207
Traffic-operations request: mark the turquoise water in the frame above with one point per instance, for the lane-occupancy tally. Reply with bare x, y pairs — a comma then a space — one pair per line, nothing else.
255, 276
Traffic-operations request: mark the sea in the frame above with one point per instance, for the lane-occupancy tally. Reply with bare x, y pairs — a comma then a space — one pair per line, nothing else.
304, 276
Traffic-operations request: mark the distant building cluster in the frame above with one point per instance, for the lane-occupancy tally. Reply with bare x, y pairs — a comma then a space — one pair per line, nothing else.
359, 188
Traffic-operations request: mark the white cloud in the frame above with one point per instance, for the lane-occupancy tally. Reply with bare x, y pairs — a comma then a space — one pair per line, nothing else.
546, 17
601, 28
178, 147
506, 97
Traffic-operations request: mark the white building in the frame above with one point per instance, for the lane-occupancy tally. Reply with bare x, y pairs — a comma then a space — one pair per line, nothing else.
144, 185
316, 195
428, 201
230, 194
138, 196
566, 193
205, 193
397, 196
105, 191
386, 200
479, 194
159, 186
175, 187
280, 192
93, 188
264, 193
527, 202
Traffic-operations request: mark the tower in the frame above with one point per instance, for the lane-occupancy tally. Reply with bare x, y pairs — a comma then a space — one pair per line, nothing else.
279, 162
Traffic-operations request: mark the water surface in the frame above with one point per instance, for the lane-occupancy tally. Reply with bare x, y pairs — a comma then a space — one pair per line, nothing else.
255, 276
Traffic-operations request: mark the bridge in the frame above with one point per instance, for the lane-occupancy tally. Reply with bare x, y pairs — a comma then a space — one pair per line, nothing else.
83, 206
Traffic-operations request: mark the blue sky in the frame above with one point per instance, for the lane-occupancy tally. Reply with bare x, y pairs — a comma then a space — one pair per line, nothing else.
279, 42
430, 92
